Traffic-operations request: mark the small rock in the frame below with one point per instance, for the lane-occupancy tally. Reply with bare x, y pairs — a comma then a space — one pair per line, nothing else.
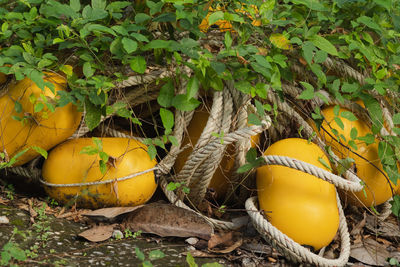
191, 248
117, 234
4, 220
192, 240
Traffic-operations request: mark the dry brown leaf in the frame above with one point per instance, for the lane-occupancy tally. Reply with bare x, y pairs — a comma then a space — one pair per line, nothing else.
387, 228
98, 233
109, 214
357, 229
168, 220
370, 252
227, 242
220, 238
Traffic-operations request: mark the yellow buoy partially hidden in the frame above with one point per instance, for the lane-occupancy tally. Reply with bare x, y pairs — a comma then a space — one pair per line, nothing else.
27, 121
377, 189
221, 178
67, 165
300, 205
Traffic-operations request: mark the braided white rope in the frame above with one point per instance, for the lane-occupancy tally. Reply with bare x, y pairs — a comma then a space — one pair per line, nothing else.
115, 133
292, 249
100, 182
142, 79
201, 178
313, 170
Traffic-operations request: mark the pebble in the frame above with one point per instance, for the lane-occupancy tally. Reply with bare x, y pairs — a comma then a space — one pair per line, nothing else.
117, 234
4, 220
192, 240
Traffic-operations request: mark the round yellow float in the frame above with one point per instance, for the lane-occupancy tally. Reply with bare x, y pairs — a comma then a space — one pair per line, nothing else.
300, 205
377, 188
22, 126
67, 165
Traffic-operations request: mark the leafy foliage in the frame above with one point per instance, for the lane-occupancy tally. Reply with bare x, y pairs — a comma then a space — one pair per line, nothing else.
263, 41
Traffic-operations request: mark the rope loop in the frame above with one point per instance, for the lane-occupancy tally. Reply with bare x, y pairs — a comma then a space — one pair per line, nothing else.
315, 171
291, 249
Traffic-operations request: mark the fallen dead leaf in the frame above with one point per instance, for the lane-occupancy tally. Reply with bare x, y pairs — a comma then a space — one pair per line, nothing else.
387, 228
370, 252
226, 243
109, 214
98, 233
220, 238
168, 220
357, 229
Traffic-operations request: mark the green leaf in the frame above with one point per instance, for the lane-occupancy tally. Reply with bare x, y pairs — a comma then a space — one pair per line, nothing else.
103, 156
38, 107
312, 4
350, 87
129, 45
154, 7
348, 115
228, 40
87, 69
245, 168
156, 254
353, 133
89, 150
93, 115
324, 45
75, 5
308, 51
344, 165
166, 94
214, 17
253, 119
192, 87
182, 103
243, 86
172, 186
98, 143
141, 17
40, 150
396, 205
152, 151
324, 163
100, 28
103, 167
384, 3
17, 107
167, 118
396, 118
190, 260
138, 64
308, 93
369, 23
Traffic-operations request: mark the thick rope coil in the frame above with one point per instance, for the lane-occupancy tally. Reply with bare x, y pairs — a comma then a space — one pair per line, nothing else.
114, 133
215, 144
33, 173
293, 250
344, 69
144, 79
199, 181
313, 170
